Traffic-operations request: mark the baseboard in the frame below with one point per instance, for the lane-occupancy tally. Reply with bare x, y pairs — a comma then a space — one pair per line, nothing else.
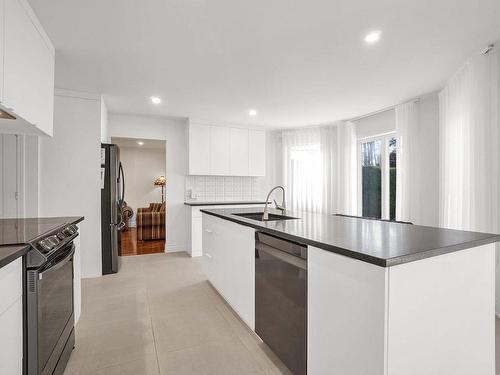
173, 248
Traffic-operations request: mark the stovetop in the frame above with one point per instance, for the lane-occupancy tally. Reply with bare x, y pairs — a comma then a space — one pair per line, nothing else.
23, 231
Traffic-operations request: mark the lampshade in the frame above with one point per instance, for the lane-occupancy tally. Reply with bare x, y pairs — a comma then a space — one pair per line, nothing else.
160, 181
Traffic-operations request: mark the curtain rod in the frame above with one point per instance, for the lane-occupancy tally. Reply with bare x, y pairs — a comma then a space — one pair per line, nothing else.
386, 109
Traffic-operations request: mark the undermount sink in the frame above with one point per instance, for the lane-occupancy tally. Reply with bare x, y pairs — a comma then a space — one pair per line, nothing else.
258, 216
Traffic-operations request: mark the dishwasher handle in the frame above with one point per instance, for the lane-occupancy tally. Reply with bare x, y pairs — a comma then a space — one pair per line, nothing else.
282, 255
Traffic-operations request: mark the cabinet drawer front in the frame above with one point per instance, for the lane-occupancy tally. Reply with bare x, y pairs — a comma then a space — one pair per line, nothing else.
11, 284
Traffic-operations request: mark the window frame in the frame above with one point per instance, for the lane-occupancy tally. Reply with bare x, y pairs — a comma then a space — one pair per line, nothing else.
385, 172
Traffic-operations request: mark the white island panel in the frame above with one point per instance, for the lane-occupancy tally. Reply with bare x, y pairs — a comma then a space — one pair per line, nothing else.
442, 314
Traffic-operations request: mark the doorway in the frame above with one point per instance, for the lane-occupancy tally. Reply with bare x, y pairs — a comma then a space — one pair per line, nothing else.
144, 206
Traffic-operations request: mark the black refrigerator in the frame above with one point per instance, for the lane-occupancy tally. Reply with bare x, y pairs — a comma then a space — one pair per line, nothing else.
112, 197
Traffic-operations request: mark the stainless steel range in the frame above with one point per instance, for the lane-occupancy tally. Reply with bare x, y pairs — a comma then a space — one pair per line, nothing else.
49, 306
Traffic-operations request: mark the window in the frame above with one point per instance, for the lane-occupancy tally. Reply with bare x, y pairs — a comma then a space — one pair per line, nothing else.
377, 177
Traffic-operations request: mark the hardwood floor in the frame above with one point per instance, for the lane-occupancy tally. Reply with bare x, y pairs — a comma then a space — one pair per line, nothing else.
130, 245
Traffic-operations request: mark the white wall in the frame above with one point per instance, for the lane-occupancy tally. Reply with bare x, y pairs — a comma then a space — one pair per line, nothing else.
28, 175
380, 123
105, 138
18, 175
69, 171
174, 132
141, 167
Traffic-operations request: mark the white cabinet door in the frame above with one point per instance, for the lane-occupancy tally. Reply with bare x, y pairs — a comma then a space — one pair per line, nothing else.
11, 339
230, 264
257, 152
239, 252
10, 284
199, 149
239, 152
11, 318
219, 150
28, 67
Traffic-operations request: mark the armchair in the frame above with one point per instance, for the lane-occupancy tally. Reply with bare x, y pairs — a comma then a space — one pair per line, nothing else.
151, 222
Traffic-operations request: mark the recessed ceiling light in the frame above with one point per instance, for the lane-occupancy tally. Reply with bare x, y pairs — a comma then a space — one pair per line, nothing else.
155, 100
373, 36
252, 112
140, 143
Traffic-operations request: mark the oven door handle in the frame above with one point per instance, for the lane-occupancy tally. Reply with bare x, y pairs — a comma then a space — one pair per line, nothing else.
59, 264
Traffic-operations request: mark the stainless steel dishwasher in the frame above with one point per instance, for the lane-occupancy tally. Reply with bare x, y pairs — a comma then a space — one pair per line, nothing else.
281, 299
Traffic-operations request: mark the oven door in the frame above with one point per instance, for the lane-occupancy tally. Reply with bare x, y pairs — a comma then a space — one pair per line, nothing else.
50, 311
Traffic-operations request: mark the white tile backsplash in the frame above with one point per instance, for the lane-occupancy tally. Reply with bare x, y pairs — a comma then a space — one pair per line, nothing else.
224, 188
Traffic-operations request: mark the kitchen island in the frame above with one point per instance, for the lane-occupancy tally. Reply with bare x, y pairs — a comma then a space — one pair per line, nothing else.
382, 297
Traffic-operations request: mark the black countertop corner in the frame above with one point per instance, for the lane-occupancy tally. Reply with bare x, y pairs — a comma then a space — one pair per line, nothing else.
378, 242
221, 203
15, 234
10, 253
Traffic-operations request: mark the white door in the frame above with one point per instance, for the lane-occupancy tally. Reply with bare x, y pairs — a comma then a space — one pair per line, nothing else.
8, 176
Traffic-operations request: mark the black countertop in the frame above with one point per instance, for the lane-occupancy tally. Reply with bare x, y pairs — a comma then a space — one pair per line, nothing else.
11, 253
15, 234
221, 203
378, 242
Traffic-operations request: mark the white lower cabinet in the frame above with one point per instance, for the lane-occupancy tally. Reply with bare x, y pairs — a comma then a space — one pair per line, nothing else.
229, 264
194, 225
11, 319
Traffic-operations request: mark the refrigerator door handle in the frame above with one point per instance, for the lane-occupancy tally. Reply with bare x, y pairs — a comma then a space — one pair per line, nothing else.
121, 178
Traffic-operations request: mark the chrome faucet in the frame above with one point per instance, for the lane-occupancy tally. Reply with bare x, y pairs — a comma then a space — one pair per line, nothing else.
281, 207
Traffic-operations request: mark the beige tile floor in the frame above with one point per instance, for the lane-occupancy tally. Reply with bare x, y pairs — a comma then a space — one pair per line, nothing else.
159, 315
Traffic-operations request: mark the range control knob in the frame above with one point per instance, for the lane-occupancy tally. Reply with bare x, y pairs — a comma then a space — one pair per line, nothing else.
53, 240
68, 231
45, 245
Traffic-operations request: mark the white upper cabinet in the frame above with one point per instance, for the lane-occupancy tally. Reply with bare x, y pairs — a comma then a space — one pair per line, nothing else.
220, 150
199, 149
239, 152
28, 71
226, 151
257, 153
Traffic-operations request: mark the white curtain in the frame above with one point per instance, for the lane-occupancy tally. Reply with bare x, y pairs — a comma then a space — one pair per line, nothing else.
303, 169
346, 169
319, 168
407, 132
469, 142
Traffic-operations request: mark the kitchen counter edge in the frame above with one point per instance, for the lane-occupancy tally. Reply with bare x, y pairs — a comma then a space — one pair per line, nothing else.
382, 262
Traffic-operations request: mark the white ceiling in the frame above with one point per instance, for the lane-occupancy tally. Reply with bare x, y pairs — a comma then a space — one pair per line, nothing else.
298, 62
